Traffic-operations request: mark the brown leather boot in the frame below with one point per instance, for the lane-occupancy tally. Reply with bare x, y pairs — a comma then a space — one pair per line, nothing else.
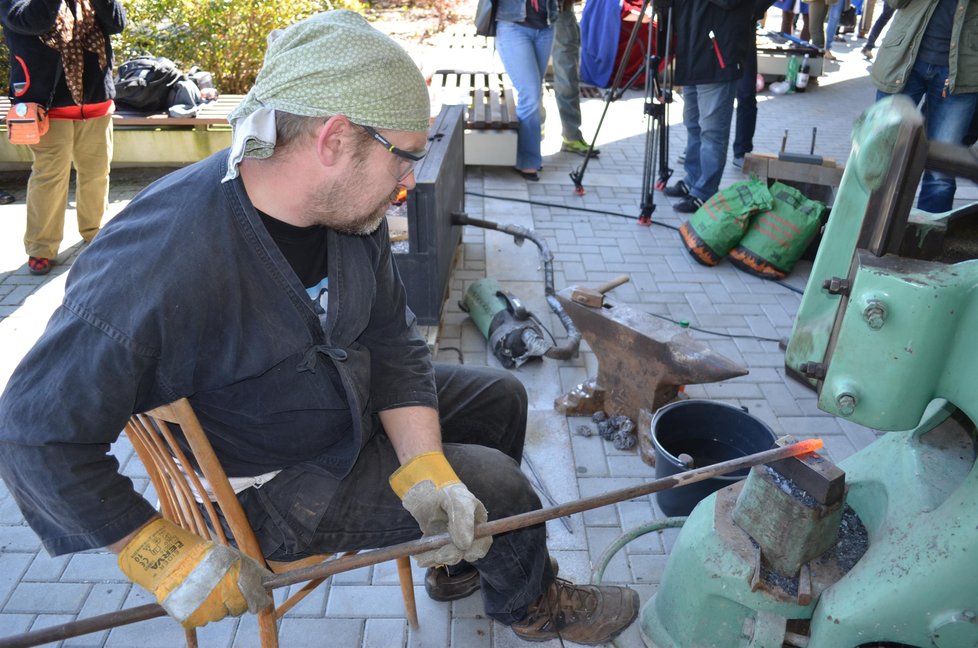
585, 614
463, 581
442, 586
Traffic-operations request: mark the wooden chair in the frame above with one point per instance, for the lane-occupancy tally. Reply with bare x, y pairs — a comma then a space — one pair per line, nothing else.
163, 458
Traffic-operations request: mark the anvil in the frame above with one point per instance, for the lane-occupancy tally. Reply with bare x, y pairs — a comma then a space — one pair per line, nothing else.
642, 360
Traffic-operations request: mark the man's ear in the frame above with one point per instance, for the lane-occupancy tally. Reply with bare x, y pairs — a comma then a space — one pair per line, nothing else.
333, 140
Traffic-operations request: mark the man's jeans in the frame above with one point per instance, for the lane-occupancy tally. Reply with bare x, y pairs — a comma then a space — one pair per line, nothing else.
746, 122
567, 73
525, 52
947, 120
835, 15
707, 110
303, 511
877, 29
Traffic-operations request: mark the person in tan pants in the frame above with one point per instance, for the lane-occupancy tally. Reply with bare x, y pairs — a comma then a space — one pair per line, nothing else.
61, 59
88, 144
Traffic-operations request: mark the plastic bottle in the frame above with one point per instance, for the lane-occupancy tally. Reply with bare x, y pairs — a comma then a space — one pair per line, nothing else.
792, 73
801, 81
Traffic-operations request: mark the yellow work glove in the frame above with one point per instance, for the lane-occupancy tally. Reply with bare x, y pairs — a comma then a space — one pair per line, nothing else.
195, 580
432, 492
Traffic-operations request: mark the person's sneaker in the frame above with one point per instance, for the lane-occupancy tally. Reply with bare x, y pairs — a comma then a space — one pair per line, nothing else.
443, 586
738, 162
6, 197
867, 53
829, 56
39, 265
678, 190
585, 614
688, 205
580, 147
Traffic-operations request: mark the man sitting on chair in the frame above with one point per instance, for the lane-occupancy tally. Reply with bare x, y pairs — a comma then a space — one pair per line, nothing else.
259, 283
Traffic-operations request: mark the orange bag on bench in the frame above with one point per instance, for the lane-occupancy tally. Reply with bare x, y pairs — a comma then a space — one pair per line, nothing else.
26, 123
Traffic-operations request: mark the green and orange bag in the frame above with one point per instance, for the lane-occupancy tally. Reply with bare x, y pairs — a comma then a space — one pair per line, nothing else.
720, 223
778, 237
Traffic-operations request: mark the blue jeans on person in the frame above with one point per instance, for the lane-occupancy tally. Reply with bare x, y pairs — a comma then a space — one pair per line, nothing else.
835, 14
877, 29
483, 413
947, 120
525, 52
567, 73
707, 109
746, 121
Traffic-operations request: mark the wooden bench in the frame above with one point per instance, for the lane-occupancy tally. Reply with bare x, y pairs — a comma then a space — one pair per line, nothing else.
148, 140
490, 119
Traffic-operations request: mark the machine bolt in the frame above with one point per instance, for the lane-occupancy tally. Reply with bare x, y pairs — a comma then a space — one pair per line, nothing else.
875, 314
836, 286
812, 370
846, 403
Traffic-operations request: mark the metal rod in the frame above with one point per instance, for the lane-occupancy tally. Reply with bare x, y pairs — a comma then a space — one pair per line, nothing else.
368, 558
542, 488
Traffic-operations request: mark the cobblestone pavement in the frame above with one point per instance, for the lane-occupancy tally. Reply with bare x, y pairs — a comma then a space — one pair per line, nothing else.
363, 608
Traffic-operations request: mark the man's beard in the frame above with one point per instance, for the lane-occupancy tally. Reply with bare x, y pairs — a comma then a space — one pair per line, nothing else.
332, 211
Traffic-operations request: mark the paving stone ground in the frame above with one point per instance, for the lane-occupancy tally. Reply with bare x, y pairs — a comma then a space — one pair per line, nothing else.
363, 608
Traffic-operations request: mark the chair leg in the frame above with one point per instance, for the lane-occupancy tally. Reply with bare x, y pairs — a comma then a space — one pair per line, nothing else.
407, 590
191, 635
267, 628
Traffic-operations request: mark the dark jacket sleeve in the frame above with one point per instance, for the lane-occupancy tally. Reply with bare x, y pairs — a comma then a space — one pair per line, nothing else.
401, 373
36, 17
111, 15
63, 407
29, 17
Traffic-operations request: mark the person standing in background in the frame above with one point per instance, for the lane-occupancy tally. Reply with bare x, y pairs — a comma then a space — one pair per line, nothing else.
931, 53
874, 33
818, 10
711, 44
61, 58
567, 79
746, 120
790, 9
524, 38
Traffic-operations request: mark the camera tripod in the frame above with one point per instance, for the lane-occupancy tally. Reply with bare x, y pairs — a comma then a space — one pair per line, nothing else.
658, 96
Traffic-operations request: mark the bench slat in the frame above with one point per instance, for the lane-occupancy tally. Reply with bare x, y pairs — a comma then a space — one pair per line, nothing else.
210, 114
488, 95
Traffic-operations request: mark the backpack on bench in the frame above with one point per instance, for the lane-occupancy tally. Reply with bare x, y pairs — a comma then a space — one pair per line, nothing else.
144, 83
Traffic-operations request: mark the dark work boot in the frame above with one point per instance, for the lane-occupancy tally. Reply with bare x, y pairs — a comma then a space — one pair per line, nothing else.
443, 586
585, 614
461, 582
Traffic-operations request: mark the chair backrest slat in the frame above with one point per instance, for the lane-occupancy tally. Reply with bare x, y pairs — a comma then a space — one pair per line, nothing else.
177, 482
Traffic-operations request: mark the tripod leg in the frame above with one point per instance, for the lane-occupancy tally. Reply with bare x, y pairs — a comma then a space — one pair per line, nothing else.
577, 175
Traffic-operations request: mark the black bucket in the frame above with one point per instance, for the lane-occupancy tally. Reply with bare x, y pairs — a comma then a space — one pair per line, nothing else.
709, 432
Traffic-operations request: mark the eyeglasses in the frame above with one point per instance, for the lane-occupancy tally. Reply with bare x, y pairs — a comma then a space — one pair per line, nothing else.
407, 160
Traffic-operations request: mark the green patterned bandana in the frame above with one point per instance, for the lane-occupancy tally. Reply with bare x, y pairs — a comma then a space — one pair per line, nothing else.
333, 63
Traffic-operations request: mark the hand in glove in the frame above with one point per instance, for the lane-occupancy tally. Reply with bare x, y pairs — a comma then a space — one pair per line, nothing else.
432, 492
196, 581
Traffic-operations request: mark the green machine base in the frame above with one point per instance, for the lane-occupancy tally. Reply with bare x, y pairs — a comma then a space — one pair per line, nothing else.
916, 584
886, 334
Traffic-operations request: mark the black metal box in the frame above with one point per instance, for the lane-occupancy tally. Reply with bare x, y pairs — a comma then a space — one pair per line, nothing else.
432, 239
